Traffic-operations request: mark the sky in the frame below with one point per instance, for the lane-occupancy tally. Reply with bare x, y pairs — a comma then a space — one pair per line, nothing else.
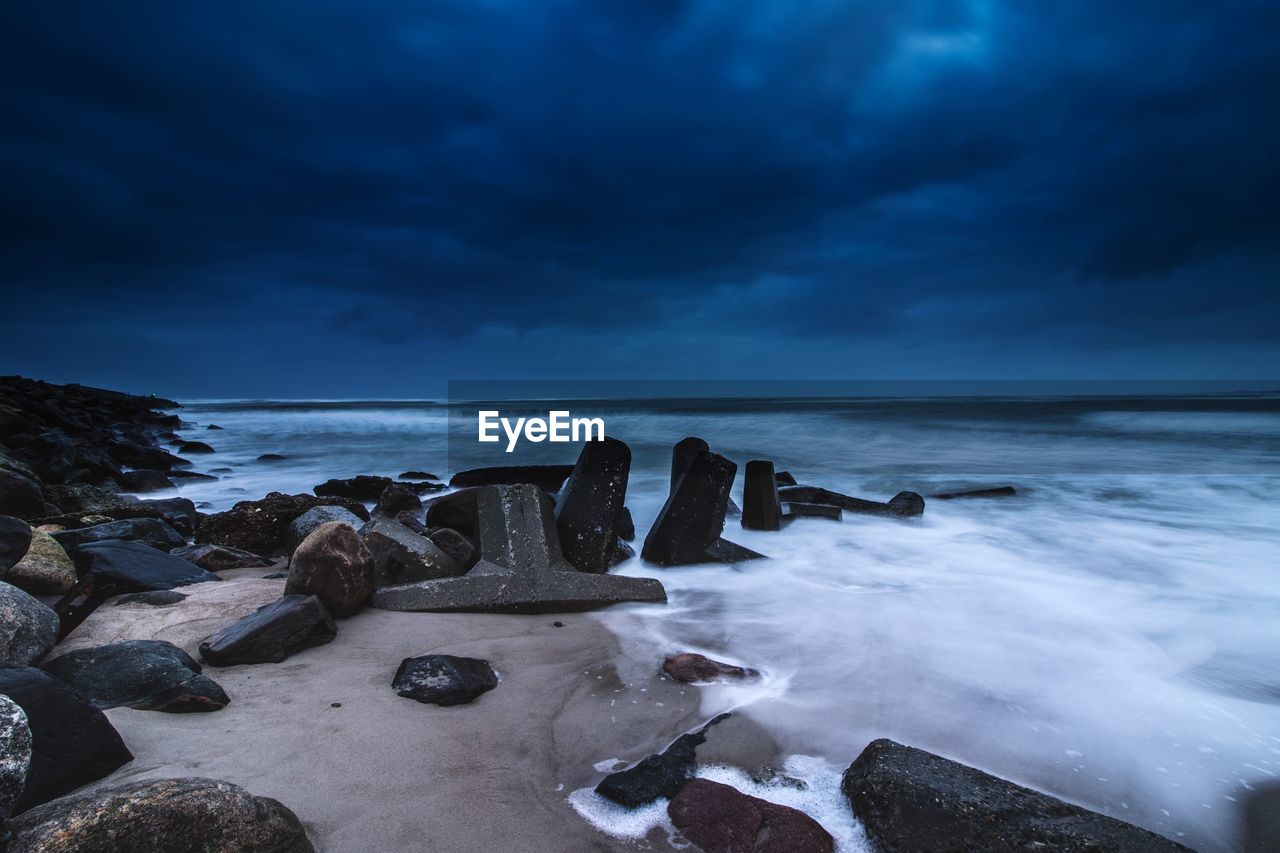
368, 199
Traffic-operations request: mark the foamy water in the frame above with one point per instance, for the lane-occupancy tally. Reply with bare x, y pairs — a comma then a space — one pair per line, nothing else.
1110, 635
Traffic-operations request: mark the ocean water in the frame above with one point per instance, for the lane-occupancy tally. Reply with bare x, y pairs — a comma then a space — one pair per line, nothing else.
1110, 635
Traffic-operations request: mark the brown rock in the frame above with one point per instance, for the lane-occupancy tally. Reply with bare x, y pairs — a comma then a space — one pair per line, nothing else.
692, 668
335, 565
722, 819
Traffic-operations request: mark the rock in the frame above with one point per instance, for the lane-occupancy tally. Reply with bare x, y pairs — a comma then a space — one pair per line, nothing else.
180, 513
521, 569
28, 629
444, 679
456, 510
272, 457
170, 815
302, 526
272, 633
397, 498
760, 507
148, 675
83, 499
335, 565
361, 488
547, 477
688, 528
262, 526
194, 447
660, 775
45, 569
72, 743
589, 512
402, 556
179, 474
15, 539
459, 548
626, 526
994, 492
136, 567
145, 481
682, 455
213, 426
20, 497
901, 505
158, 598
721, 819
148, 531
418, 475
410, 520
692, 668
909, 799
784, 478
15, 758
218, 558
792, 510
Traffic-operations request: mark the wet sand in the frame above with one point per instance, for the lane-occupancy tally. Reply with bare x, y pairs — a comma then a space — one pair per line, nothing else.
381, 772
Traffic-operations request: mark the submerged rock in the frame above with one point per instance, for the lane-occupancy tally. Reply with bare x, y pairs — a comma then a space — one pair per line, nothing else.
993, 492
219, 558
194, 447
547, 477
335, 565
15, 758
402, 556
444, 679
521, 569
901, 505
171, 815
72, 742
28, 629
149, 531
272, 633
687, 529
693, 668
589, 514
148, 675
659, 775
909, 800
721, 819
262, 526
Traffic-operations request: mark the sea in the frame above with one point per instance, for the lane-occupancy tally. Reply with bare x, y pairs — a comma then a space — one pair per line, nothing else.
1110, 634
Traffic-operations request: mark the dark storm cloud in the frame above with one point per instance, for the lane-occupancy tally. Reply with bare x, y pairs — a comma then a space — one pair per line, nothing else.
454, 183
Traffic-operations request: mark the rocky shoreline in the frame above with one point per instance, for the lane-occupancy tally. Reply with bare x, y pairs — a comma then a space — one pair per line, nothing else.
296, 621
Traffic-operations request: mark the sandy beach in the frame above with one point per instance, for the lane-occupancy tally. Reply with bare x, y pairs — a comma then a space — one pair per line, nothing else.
381, 772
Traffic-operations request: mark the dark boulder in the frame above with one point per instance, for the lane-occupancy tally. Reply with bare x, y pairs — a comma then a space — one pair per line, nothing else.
145, 481
412, 521
302, 526
909, 800
626, 526
149, 675
213, 426
170, 815
271, 633
792, 510
15, 758
682, 456
180, 513
194, 447
262, 526
444, 679
271, 457
84, 499
181, 474
361, 488
760, 507
148, 531
993, 492
589, 513
693, 668
217, 558
402, 556
15, 539
901, 505
418, 475
459, 548
521, 569
20, 497
784, 478
72, 743
335, 565
721, 819
397, 498
659, 775
28, 628
687, 530
456, 510
136, 567
547, 477
158, 459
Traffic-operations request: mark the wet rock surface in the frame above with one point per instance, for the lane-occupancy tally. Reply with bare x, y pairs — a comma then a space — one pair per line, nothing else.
721, 819
910, 800
172, 815
149, 675
692, 668
272, 633
136, 567
72, 742
660, 775
990, 492
334, 564
901, 505
444, 679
